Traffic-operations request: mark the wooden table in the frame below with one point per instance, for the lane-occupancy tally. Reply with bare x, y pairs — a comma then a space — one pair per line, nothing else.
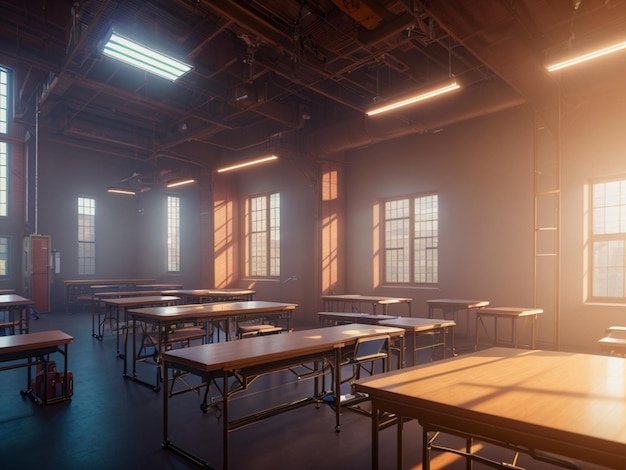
453, 307
249, 358
514, 314
545, 403
17, 311
338, 302
98, 317
159, 287
221, 314
125, 303
416, 327
614, 342
78, 287
34, 349
338, 318
199, 296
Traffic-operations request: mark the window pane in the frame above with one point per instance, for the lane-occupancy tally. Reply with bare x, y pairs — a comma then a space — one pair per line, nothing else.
608, 234
397, 262
4, 100
173, 233
86, 236
608, 268
426, 239
4, 181
274, 255
4, 256
264, 236
411, 240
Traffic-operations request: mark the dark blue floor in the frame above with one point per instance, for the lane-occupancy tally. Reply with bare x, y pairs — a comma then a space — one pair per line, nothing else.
113, 423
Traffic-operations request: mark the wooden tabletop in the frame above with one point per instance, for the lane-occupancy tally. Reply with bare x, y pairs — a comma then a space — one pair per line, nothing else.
510, 311
221, 309
234, 355
208, 292
460, 303
17, 343
152, 286
114, 281
355, 317
570, 404
417, 324
140, 300
10, 300
366, 298
122, 293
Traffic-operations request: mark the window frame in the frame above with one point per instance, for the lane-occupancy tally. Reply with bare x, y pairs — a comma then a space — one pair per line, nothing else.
5, 148
409, 224
172, 249
618, 235
271, 222
5, 256
84, 243
5, 91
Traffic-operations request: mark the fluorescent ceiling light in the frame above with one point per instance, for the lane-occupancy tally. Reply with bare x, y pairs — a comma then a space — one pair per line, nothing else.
121, 190
247, 163
586, 56
180, 182
144, 58
421, 95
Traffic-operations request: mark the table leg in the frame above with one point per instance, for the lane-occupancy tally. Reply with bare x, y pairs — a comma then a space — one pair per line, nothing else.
425, 449
374, 424
337, 388
225, 418
166, 440
399, 448
479, 320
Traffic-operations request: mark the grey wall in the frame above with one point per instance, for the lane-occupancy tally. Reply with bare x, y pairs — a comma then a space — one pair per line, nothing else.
130, 232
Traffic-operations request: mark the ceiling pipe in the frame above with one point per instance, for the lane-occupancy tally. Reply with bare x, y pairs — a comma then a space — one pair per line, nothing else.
473, 102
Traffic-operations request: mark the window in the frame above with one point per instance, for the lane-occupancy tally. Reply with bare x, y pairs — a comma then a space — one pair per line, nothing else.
4, 147
608, 240
173, 233
86, 236
4, 179
4, 257
411, 240
263, 235
4, 100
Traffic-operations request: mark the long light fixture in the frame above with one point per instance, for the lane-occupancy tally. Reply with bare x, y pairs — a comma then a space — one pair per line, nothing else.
248, 163
144, 58
121, 190
421, 95
175, 183
587, 56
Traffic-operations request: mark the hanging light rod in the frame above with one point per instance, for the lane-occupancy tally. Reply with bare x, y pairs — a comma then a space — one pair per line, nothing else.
175, 183
584, 57
121, 190
144, 58
420, 95
248, 163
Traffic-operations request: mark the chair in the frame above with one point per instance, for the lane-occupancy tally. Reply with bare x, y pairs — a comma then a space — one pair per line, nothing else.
365, 354
246, 331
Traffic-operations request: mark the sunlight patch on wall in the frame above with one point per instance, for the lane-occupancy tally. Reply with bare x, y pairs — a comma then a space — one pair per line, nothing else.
376, 245
223, 243
330, 267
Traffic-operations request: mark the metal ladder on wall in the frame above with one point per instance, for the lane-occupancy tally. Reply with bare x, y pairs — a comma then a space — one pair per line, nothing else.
547, 217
